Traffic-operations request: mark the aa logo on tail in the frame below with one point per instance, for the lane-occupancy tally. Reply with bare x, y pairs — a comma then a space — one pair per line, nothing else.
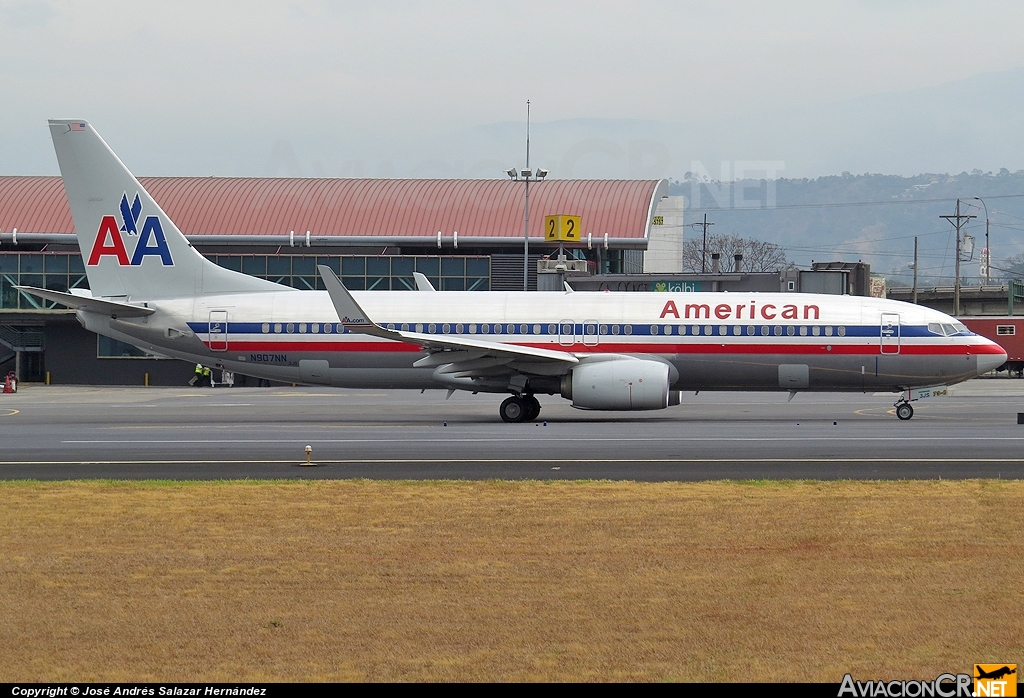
150, 241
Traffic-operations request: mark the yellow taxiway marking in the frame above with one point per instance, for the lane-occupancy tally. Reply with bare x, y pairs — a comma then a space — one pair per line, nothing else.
10, 412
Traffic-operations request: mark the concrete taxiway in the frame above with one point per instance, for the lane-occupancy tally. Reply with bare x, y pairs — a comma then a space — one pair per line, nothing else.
60, 432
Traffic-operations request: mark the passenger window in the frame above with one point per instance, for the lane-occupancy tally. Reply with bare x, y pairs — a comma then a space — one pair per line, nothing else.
419, 327
389, 327
446, 328
266, 327
816, 330
708, 329
778, 330
431, 328
750, 330
723, 330
472, 328
536, 329
459, 328
764, 330
828, 330
737, 330
290, 328
315, 328
327, 328
604, 329
302, 328
842, 331
628, 329
790, 330
405, 327
615, 329
654, 329
551, 329
803, 331
485, 328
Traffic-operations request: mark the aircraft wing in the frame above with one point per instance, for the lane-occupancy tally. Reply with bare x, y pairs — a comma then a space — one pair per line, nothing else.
93, 305
354, 318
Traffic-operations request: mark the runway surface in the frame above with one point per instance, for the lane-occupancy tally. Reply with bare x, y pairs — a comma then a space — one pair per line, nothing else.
63, 432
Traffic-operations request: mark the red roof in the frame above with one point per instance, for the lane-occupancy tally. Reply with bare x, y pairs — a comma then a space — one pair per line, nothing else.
355, 207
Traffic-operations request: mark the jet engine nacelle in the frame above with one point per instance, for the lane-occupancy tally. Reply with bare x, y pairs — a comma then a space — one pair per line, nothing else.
620, 384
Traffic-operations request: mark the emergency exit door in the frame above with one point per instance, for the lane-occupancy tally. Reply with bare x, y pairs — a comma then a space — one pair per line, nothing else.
218, 330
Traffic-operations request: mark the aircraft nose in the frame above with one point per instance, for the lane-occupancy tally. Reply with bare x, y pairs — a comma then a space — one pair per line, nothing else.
990, 356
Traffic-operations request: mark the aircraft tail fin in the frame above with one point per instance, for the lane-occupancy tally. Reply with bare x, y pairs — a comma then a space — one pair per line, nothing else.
130, 247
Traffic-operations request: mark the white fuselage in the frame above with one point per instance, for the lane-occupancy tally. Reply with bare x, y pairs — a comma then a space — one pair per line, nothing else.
725, 341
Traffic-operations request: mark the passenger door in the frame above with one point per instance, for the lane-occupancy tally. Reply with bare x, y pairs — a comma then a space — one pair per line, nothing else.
890, 333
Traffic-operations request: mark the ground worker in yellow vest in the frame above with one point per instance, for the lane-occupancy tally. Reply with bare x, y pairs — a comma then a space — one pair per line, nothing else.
207, 377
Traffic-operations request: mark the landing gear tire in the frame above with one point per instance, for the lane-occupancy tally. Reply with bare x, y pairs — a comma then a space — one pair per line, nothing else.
514, 409
533, 408
904, 411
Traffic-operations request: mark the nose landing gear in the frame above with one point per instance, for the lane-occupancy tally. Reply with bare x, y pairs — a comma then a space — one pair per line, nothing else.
519, 408
904, 410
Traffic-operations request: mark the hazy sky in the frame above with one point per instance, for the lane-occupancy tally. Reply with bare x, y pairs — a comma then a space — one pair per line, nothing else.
341, 88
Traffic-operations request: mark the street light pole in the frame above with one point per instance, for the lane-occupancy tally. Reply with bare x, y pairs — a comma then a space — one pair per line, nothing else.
526, 216
527, 175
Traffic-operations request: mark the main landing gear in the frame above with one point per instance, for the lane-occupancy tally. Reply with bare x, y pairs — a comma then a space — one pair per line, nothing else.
520, 408
904, 410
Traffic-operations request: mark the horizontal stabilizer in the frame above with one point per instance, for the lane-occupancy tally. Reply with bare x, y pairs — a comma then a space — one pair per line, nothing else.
87, 303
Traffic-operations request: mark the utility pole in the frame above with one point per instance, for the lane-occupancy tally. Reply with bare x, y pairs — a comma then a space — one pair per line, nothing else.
915, 270
704, 249
958, 221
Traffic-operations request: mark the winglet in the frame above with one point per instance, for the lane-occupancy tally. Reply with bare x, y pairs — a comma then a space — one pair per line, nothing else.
349, 312
422, 282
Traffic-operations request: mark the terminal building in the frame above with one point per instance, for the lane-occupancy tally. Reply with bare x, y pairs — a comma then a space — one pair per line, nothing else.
463, 235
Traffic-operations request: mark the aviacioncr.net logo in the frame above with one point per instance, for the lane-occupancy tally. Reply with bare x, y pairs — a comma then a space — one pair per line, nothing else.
944, 686
149, 242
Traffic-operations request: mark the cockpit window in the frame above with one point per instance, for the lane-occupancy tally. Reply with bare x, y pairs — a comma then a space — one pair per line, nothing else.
947, 329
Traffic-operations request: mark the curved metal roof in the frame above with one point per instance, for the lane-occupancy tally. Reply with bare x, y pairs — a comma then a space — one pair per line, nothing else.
357, 208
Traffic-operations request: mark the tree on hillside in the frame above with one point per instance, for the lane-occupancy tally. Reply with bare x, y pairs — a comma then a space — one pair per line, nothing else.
758, 255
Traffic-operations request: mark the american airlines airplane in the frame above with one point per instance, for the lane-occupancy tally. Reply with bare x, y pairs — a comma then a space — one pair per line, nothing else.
603, 351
